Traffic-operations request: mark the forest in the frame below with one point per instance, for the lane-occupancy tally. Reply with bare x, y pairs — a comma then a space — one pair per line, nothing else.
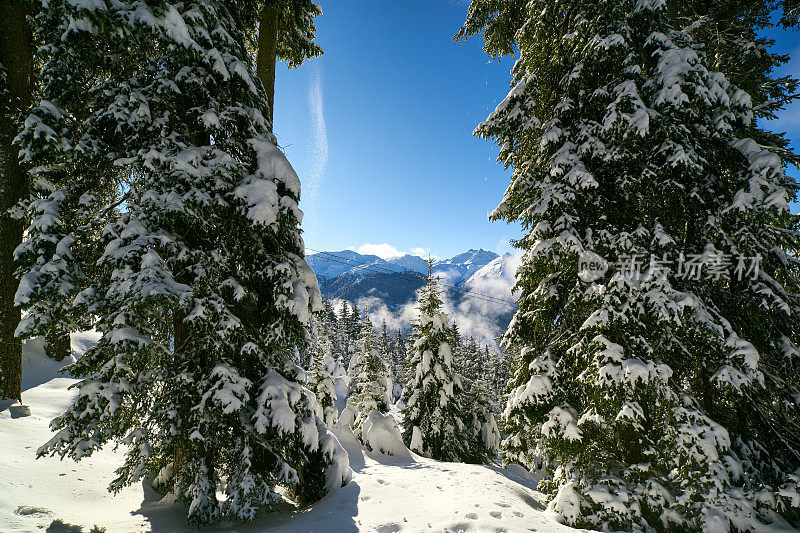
158, 301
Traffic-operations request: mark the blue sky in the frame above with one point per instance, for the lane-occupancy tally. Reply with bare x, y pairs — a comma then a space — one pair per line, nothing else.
380, 130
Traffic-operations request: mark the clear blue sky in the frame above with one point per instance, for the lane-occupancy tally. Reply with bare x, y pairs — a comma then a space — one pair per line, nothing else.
380, 129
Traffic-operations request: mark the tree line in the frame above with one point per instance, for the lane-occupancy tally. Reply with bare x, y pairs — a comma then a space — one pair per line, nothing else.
140, 164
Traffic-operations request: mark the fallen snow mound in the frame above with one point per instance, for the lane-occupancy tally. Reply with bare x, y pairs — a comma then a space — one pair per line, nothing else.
382, 435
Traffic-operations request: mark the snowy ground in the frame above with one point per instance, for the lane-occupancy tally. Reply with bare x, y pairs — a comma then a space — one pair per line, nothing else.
386, 495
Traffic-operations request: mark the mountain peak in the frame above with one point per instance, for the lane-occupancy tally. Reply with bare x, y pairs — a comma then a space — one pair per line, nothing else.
460, 267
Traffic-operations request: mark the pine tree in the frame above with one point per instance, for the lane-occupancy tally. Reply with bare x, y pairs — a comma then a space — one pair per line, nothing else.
478, 404
354, 324
791, 13
320, 375
652, 398
399, 358
384, 339
433, 425
733, 39
484, 361
467, 359
387, 354
346, 333
368, 378
501, 368
329, 328
202, 293
480, 409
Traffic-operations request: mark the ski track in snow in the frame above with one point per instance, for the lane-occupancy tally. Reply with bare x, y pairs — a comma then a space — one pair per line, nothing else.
386, 495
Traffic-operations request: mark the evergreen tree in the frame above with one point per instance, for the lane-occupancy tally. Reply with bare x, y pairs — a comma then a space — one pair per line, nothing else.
478, 403
384, 340
368, 378
397, 360
328, 313
484, 361
433, 425
733, 40
201, 292
339, 337
320, 375
652, 398
791, 13
385, 351
480, 410
467, 359
329, 329
354, 324
501, 369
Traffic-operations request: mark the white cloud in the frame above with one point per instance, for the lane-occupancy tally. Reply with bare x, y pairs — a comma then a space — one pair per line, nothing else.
384, 251
475, 315
504, 247
387, 251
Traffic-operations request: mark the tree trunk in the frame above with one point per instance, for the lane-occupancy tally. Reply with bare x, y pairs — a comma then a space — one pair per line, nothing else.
16, 58
267, 53
57, 344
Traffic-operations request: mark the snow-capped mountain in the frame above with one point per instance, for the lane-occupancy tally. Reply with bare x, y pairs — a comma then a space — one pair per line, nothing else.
502, 269
462, 266
456, 269
351, 276
327, 265
411, 262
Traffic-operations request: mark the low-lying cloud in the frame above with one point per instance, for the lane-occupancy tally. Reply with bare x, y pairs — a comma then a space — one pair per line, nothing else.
474, 309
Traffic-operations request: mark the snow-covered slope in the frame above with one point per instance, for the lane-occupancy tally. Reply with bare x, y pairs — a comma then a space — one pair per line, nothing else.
501, 270
411, 262
387, 494
351, 276
328, 265
402, 495
331, 264
458, 268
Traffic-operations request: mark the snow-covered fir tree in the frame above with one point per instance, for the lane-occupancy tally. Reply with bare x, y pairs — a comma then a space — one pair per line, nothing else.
397, 358
499, 369
202, 294
385, 350
478, 400
653, 397
467, 359
434, 411
346, 332
368, 374
480, 415
322, 369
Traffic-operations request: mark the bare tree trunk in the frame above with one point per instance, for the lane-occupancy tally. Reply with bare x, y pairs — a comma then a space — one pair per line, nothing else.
57, 344
267, 52
16, 59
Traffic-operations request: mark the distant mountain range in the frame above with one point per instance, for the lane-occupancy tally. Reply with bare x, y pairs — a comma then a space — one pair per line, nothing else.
352, 276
